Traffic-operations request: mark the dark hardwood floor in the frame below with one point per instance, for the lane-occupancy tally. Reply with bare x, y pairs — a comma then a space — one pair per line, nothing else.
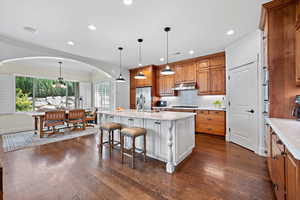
73, 170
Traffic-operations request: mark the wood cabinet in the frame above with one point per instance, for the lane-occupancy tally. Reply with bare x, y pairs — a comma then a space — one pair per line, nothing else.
1, 181
283, 168
217, 80
297, 56
203, 81
292, 177
132, 98
151, 81
211, 122
185, 72
211, 76
165, 84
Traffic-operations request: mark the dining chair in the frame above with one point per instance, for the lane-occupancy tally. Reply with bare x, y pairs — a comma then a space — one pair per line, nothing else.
76, 117
54, 119
91, 117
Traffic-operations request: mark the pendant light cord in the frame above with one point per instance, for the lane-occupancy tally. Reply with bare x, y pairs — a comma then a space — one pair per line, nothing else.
167, 47
59, 69
120, 60
140, 53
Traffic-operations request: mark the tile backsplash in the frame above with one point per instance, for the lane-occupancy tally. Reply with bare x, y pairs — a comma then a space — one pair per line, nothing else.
190, 97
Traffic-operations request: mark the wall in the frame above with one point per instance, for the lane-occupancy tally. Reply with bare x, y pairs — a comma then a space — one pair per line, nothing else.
190, 97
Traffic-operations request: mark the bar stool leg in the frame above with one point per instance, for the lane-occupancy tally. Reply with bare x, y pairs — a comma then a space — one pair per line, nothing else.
101, 140
145, 148
109, 141
112, 139
122, 147
133, 152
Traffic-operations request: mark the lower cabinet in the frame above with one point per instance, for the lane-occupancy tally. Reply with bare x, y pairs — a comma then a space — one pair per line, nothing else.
211, 122
283, 169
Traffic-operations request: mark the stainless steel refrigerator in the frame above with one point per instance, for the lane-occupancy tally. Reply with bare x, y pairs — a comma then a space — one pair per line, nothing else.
144, 94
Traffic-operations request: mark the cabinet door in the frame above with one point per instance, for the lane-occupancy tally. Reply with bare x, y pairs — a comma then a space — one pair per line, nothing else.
217, 80
161, 86
203, 64
297, 57
132, 80
151, 144
203, 82
179, 74
217, 61
132, 98
148, 73
190, 72
278, 171
292, 170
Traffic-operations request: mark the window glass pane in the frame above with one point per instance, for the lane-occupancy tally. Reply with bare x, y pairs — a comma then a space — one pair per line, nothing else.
103, 95
48, 97
71, 94
24, 94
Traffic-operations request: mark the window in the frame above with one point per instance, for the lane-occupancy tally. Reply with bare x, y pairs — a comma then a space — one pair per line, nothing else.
104, 98
39, 94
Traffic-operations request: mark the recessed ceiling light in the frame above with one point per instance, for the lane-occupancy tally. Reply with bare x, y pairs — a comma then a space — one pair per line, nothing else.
30, 29
127, 2
162, 59
230, 32
92, 27
71, 43
191, 52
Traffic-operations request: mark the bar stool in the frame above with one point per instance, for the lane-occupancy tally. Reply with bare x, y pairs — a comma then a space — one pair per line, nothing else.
110, 127
133, 133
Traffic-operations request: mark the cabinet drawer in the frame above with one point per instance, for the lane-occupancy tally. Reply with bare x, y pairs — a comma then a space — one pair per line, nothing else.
212, 129
205, 112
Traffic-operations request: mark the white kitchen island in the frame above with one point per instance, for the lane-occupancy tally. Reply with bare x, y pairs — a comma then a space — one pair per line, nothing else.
170, 135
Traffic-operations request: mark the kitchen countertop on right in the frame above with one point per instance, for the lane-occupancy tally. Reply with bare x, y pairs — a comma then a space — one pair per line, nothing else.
187, 108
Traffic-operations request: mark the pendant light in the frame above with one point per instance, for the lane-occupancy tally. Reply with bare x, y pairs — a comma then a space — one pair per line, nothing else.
60, 80
120, 79
140, 75
167, 70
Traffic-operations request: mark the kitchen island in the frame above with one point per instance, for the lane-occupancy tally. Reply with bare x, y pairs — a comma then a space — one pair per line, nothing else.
170, 135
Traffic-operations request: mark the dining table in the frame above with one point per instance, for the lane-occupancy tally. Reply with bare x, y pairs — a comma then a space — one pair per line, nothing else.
39, 119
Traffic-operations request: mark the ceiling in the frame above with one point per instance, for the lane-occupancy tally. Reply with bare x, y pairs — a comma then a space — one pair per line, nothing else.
52, 63
196, 25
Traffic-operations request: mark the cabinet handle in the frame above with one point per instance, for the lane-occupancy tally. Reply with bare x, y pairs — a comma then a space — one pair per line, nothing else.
111, 117
130, 119
275, 186
209, 119
158, 123
209, 129
274, 157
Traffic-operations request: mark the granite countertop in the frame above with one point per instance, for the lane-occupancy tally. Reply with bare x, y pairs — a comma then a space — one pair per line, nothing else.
198, 108
164, 116
288, 131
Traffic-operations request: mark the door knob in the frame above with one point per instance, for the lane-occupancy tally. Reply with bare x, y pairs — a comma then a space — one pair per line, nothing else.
250, 111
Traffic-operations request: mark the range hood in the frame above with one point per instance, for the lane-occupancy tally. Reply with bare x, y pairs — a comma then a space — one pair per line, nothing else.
185, 86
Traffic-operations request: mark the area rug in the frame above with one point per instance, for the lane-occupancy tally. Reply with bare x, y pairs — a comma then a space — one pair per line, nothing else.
15, 141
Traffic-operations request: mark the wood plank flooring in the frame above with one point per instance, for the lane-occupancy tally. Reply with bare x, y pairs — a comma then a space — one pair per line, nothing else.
73, 170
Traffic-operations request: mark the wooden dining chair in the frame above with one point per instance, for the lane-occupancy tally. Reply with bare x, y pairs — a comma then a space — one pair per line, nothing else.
53, 119
91, 118
76, 117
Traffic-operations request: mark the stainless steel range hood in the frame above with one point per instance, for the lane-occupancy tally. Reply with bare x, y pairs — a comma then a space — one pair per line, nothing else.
185, 86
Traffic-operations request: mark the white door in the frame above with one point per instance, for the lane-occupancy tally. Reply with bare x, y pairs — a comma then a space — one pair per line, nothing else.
243, 105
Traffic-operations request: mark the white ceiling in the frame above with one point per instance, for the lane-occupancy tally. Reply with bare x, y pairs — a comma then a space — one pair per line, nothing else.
52, 63
198, 25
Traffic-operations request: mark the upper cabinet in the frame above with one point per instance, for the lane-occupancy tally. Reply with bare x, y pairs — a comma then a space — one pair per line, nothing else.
211, 76
148, 82
166, 83
297, 56
185, 72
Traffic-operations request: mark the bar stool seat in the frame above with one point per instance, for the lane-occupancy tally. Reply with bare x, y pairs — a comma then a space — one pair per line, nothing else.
132, 133
110, 127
